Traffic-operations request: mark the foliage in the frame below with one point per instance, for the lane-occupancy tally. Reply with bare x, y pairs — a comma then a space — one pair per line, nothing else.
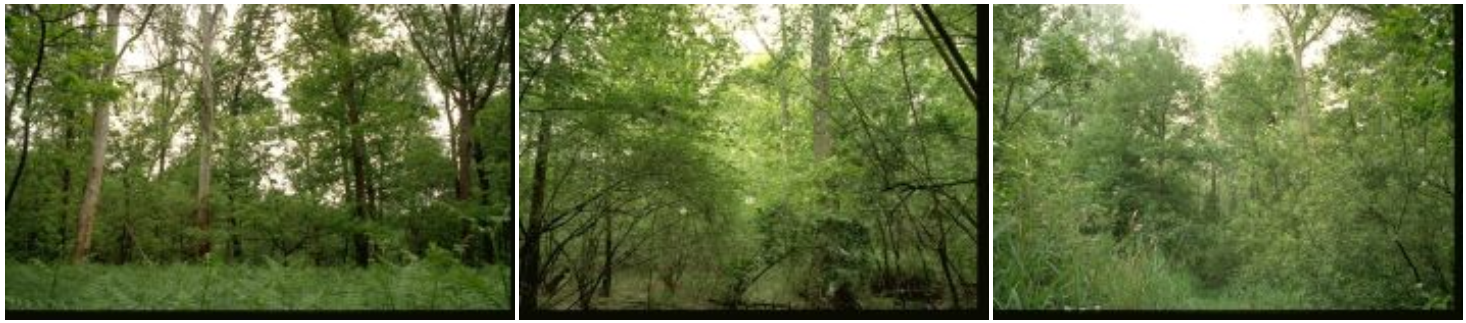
314, 103
1126, 178
665, 167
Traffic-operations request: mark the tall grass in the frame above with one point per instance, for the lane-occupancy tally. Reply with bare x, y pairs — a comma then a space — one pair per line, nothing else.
255, 287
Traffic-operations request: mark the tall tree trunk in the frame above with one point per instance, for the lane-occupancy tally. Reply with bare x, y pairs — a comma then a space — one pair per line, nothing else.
608, 256
68, 146
464, 147
97, 168
782, 58
358, 175
465, 171
164, 131
1303, 25
24, 87
358, 172
820, 65
1301, 98
530, 251
946, 260
208, 17
356, 153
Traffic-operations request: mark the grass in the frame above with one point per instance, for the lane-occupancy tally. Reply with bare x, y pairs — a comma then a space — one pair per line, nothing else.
253, 287
1093, 275
699, 290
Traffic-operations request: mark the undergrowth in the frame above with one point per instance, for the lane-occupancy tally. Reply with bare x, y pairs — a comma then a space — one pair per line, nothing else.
421, 285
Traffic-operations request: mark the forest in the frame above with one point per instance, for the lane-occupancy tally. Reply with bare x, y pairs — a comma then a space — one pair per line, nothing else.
280, 157
1317, 170
749, 157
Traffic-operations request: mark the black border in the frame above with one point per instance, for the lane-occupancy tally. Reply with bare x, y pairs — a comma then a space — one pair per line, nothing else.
985, 135
1456, 303
1454, 313
978, 314
260, 315
1229, 314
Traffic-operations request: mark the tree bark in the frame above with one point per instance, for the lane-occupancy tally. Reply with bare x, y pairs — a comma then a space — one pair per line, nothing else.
356, 146
208, 17
464, 146
781, 59
165, 130
1303, 24
530, 252
30, 84
820, 65
608, 256
100, 115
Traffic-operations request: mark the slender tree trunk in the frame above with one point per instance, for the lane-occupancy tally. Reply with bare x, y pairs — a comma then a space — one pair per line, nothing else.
208, 17
608, 256
35, 68
97, 168
1301, 99
358, 173
820, 65
951, 56
785, 119
68, 145
164, 133
356, 153
530, 251
947, 267
30, 84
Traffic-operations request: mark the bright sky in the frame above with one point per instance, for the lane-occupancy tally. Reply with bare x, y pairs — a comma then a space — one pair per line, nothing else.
745, 32
1211, 30
1214, 30
139, 57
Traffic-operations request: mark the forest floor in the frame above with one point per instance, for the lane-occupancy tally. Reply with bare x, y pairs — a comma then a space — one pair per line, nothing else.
253, 287
695, 290
698, 291
1214, 300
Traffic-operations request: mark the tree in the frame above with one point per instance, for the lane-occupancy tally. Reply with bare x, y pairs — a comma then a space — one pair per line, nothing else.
208, 17
647, 132
1124, 170
574, 232
820, 65
28, 94
463, 54
332, 34
456, 46
1302, 26
100, 116
194, 153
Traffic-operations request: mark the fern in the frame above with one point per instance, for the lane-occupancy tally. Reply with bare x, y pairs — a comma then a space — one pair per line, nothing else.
439, 283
